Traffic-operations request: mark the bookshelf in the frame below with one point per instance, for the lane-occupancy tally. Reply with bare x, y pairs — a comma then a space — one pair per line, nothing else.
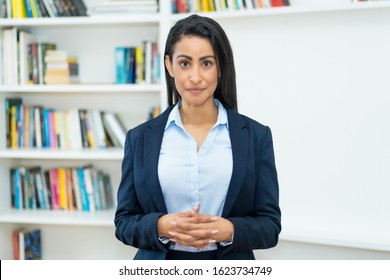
80, 36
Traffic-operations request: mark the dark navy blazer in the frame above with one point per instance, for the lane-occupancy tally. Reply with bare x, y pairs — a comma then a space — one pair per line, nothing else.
252, 201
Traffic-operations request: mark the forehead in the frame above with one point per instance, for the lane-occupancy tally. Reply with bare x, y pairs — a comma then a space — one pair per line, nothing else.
193, 44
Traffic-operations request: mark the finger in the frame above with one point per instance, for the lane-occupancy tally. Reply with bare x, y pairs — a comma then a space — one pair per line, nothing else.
197, 207
189, 240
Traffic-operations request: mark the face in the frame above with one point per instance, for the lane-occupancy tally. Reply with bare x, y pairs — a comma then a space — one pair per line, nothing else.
195, 71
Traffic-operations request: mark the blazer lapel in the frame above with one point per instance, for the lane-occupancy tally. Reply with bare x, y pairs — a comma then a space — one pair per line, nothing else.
239, 138
152, 144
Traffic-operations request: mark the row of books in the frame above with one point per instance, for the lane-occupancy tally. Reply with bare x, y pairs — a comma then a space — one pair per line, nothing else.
30, 126
26, 61
65, 188
27, 244
42, 8
111, 7
138, 64
193, 6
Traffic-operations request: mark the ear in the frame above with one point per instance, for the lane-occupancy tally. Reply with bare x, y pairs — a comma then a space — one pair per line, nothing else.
168, 65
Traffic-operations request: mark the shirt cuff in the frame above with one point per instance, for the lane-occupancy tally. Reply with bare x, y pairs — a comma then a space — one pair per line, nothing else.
226, 243
164, 240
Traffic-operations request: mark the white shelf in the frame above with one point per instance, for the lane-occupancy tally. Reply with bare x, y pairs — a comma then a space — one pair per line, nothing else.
82, 21
50, 217
289, 10
86, 154
80, 88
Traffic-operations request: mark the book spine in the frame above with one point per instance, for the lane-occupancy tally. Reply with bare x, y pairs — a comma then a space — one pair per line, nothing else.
28, 9
62, 188
55, 188
38, 128
18, 190
120, 60
83, 191
89, 188
18, 9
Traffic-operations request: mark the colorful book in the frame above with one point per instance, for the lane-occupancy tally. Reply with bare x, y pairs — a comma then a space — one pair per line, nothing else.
19, 9
120, 65
83, 191
29, 244
62, 188
10, 116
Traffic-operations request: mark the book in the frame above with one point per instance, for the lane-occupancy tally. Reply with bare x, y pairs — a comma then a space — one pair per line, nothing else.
10, 117
16, 188
26, 126
55, 189
83, 191
28, 244
42, 9
89, 189
69, 189
32, 245
100, 136
73, 66
38, 126
80, 7
40, 187
139, 62
29, 8
57, 68
15, 241
62, 188
76, 189
18, 9
130, 65
279, 3
120, 65
34, 68
10, 56
49, 8
115, 129
74, 129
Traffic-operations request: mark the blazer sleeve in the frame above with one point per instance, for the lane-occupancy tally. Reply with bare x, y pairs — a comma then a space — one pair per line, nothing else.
134, 227
260, 226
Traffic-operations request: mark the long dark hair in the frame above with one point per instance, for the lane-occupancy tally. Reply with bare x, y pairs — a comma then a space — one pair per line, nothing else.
204, 27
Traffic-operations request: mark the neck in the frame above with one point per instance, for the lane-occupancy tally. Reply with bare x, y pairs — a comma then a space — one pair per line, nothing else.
191, 115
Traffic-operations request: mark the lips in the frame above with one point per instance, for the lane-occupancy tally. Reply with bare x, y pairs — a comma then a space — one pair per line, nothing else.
195, 90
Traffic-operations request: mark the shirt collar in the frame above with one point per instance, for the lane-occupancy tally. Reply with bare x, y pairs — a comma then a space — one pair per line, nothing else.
174, 116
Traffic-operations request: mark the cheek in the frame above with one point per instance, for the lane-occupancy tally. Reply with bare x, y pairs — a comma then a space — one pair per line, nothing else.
180, 78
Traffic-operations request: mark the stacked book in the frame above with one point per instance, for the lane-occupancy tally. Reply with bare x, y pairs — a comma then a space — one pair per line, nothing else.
58, 69
125, 6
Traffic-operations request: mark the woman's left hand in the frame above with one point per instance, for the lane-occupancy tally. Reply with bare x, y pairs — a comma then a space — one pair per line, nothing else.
197, 230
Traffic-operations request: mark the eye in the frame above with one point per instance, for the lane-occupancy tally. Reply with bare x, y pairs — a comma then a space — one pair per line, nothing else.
207, 63
184, 63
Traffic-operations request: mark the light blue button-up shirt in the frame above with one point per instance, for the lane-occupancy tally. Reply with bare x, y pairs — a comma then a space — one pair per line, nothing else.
188, 176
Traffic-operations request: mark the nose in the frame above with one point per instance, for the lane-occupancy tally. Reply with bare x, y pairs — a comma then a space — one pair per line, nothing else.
195, 75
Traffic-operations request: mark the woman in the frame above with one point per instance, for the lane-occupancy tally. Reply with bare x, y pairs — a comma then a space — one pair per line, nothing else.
199, 181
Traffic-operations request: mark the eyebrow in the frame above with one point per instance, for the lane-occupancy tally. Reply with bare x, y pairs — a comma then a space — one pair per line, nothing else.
190, 58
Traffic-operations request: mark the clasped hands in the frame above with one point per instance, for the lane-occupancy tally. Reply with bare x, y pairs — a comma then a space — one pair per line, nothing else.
193, 229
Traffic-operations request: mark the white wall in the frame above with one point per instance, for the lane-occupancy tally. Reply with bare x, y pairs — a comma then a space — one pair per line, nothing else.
320, 81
